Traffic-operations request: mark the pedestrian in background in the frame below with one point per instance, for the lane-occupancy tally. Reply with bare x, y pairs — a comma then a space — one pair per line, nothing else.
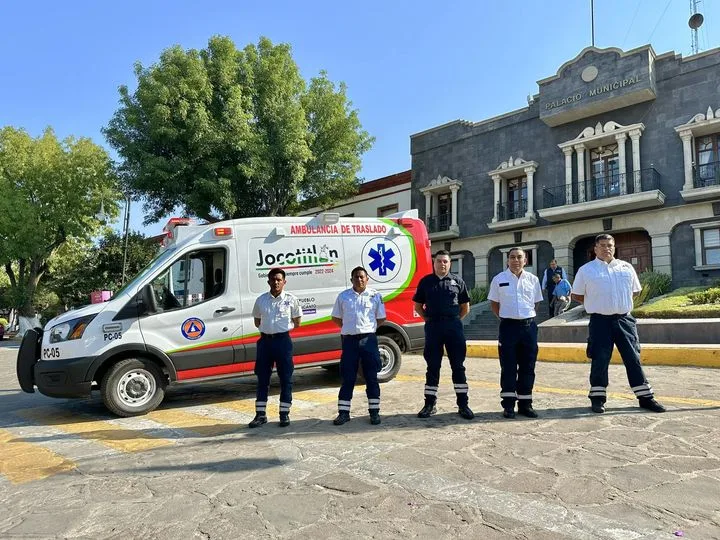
549, 285
442, 300
513, 295
358, 312
606, 286
275, 313
561, 293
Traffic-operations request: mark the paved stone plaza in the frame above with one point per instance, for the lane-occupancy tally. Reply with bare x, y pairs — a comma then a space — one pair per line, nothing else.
193, 470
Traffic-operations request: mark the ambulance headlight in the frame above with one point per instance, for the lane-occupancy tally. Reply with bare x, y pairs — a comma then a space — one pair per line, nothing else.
70, 330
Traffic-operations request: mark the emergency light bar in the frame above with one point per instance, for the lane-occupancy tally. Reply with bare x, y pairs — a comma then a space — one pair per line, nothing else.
222, 232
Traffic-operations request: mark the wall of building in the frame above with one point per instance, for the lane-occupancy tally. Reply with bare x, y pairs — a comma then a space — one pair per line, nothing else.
466, 152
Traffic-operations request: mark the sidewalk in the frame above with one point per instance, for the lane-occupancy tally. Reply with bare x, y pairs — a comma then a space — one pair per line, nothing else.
707, 356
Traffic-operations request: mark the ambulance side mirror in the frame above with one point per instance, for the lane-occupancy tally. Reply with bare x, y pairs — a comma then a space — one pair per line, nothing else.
146, 301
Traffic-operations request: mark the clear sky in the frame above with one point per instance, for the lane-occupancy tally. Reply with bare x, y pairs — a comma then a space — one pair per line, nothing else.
409, 65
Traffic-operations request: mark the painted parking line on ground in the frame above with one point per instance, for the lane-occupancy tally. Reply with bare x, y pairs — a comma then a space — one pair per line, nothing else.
205, 426
102, 431
700, 402
22, 461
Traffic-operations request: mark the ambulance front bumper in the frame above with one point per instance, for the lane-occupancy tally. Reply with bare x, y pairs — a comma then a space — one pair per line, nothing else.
54, 378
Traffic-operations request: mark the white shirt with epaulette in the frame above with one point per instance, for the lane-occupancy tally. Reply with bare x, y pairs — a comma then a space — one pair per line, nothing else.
276, 312
359, 311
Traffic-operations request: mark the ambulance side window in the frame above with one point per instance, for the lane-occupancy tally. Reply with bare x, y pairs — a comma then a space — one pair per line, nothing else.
196, 277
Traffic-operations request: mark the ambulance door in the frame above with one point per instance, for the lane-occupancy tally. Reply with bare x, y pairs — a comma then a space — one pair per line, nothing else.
198, 310
316, 272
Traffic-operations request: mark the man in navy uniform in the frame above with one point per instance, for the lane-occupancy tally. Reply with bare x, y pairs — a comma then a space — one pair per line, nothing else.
513, 295
442, 300
549, 285
606, 286
358, 312
276, 313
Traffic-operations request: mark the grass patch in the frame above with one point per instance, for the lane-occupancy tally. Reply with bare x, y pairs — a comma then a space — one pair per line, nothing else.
677, 305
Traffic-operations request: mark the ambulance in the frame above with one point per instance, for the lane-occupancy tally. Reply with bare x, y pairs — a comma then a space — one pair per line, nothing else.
187, 317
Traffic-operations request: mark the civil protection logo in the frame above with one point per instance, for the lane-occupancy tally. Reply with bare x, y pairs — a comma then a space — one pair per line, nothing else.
382, 259
192, 328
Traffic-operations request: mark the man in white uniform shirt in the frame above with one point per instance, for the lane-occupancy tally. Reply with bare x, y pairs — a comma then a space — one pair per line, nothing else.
606, 286
358, 312
513, 295
275, 313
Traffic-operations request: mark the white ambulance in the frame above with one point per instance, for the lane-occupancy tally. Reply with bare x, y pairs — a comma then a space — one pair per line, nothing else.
187, 316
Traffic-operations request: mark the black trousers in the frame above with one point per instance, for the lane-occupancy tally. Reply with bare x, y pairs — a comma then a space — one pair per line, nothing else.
518, 350
275, 350
620, 331
359, 350
447, 333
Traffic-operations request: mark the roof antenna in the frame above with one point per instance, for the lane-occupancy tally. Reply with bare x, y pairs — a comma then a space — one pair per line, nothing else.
695, 22
592, 21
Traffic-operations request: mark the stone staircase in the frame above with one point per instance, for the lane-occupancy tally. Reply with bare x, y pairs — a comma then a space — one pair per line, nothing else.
482, 324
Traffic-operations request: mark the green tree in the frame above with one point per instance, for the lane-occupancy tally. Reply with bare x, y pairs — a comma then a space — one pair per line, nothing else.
225, 133
75, 271
51, 191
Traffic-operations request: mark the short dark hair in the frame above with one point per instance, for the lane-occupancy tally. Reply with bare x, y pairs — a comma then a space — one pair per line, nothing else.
274, 271
557, 275
604, 236
357, 269
441, 252
517, 249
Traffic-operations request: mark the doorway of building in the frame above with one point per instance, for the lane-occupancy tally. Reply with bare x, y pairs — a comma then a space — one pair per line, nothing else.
634, 247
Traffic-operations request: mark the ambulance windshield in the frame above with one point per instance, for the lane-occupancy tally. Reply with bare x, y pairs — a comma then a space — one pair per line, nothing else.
159, 259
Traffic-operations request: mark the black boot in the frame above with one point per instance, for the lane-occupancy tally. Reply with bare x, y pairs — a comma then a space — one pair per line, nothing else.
342, 418
428, 410
526, 409
284, 419
650, 404
597, 406
374, 417
466, 412
258, 421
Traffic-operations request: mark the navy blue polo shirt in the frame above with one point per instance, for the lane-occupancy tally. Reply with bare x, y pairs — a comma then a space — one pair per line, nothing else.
442, 297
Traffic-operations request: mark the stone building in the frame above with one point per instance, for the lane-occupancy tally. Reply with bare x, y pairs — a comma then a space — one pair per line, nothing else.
618, 141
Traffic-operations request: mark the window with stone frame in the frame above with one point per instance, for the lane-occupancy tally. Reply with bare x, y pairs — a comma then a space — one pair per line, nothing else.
710, 239
707, 163
387, 210
444, 211
516, 198
604, 173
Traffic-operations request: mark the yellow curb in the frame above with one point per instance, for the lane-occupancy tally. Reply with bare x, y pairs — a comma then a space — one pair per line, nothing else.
652, 354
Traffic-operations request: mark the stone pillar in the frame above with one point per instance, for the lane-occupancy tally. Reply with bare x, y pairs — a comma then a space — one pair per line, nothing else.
621, 138
496, 196
453, 207
686, 137
530, 171
481, 271
568, 151
580, 149
434, 204
635, 138
661, 256
428, 207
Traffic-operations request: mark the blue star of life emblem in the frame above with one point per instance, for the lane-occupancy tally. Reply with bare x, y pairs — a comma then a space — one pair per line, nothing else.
382, 259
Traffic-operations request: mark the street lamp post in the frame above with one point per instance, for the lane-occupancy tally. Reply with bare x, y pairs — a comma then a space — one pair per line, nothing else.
126, 234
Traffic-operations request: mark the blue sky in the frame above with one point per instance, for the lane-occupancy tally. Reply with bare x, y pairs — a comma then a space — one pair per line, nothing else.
409, 65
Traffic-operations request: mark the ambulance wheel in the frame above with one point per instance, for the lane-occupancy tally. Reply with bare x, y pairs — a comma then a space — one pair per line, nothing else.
133, 387
390, 358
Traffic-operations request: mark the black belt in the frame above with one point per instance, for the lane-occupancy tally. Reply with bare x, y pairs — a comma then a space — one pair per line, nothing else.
525, 322
444, 318
613, 316
358, 336
274, 336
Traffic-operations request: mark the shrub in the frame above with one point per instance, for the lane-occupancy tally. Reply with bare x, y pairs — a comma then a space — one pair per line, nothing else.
710, 296
653, 284
478, 294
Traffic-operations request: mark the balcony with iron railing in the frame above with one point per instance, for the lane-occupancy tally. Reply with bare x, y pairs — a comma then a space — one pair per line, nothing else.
511, 210
512, 215
614, 193
706, 175
440, 227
